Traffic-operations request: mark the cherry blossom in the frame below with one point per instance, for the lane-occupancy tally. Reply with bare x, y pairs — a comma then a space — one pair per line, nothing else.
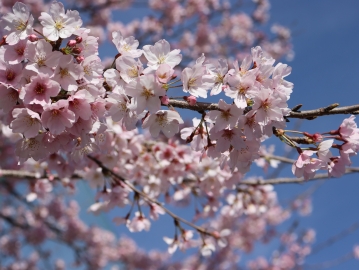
41, 57
18, 25
165, 121
40, 90
126, 46
146, 92
26, 121
57, 116
57, 24
66, 73
160, 54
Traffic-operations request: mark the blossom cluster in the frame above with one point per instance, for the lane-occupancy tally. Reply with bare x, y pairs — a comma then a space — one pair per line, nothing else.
59, 98
347, 134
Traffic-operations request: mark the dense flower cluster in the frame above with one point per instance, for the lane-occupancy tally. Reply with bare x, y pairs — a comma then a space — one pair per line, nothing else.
62, 107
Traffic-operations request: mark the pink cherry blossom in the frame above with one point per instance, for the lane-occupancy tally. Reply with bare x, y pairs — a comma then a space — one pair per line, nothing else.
164, 73
227, 116
18, 24
80, 104
26, 121
14, 54
41, 57
129, 68
57, 116
120, 110
10, 74
306, 166
40, 90
165, 121
160, 54
192, 81
57, 24
139, 223
126, 46
66, 73
241, 88
8, 98
146, 92
268, 107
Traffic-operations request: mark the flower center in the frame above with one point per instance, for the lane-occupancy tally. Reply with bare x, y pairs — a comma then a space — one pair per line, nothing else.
20, 25
10, 75
59, 25
161, 59
64, 72
39, 88
133, 72
126, 47
219, 78
242, 90
191, 82
40, 60
20, 51
147, 93
161, 120
226, 114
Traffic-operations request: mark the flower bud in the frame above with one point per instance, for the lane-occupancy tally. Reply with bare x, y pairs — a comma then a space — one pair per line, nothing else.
191, 100
78, 40
76, 50
165, 100
71, 43
79, 59
3, 40
33, 38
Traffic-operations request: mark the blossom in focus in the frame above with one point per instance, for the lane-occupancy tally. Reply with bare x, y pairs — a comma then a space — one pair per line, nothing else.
56, 24
40, 90
17, 24
166, 121
57, 116
41, 57
26, 121
160, 54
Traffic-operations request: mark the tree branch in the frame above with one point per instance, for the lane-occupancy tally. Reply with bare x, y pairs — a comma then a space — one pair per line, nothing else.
310, 114
300, 180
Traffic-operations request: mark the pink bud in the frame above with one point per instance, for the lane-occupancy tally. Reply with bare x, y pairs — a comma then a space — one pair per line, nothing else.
317, 137
33, 38
76, 50
79, 59
71, 43
191, 100
165, 100
3, 40
78, 39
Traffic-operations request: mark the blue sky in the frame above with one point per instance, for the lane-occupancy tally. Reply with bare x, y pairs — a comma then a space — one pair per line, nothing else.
325, 71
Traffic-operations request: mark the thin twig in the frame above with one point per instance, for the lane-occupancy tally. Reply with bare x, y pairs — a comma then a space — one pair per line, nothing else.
147, 198
335, 238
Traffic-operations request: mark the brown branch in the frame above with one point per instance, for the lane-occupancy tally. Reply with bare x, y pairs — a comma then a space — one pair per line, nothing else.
310, 114
300, 180
31, 175
199, 106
